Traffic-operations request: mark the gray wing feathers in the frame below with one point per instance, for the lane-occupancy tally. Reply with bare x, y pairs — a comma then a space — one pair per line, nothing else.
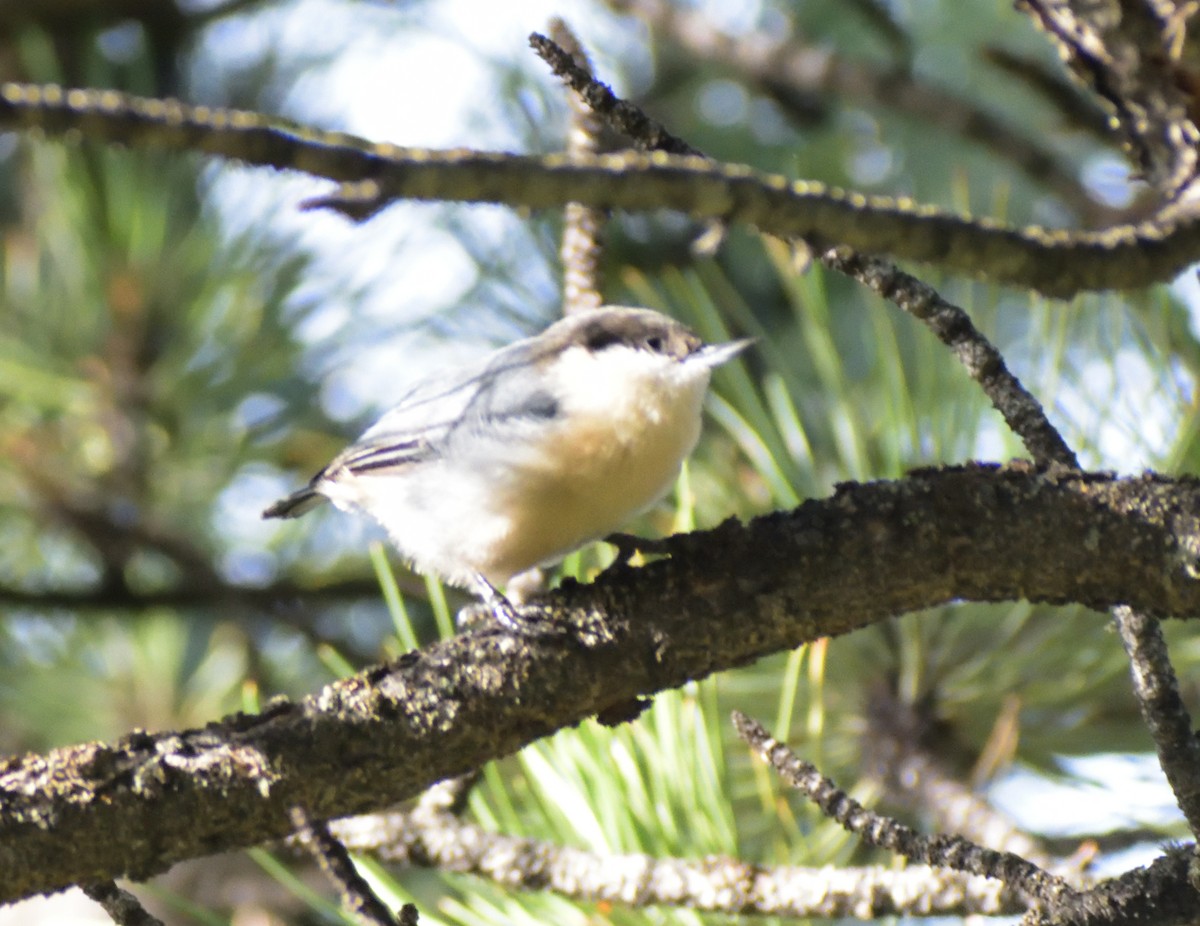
512, 387
296, 504
429, 418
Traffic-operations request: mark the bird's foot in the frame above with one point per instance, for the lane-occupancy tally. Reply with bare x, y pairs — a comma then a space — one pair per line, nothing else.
523, 622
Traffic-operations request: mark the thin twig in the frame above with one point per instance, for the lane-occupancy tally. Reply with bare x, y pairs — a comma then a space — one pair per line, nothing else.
120, 905
878, 830
899, 750
1162, 708
983, 362
583, 226
625, 117
333, 859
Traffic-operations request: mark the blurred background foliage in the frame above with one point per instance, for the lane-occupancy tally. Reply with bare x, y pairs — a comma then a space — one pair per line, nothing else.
181, 345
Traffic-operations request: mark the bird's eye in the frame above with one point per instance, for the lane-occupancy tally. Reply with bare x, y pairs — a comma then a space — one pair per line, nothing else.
599, 338
655, 343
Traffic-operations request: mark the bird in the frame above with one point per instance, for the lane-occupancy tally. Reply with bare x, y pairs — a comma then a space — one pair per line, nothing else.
509, 463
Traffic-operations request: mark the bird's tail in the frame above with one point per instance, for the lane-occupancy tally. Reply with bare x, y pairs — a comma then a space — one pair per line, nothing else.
296, 504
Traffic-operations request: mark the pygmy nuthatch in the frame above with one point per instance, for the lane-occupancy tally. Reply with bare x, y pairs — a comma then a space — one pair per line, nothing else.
516, 460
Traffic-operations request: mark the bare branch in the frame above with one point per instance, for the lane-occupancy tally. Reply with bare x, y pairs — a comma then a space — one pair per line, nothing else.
896, 749
120, 905
583, 226
1162, 893
719, 885
983, 362
625, 117
333, 859
1126, 52
791, 69
877, 830
722, 598
1055, 262
1163, 710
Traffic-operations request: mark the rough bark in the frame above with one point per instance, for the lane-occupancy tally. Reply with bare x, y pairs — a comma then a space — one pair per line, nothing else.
723, 598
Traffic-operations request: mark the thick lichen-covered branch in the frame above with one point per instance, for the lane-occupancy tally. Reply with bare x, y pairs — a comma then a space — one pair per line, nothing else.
1056, 262
722, 598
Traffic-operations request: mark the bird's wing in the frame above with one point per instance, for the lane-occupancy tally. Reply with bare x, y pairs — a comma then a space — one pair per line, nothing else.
478, 399
411, 431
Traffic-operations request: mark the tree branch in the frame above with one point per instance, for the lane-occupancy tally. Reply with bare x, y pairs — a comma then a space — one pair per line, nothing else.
1129, 55
1163, 710
1022, 412
898, 752
943, 850
953, 327
1163, 893
122, 907
723, 598
787, 69
719, 885
333, 859
1055, 262
582, 248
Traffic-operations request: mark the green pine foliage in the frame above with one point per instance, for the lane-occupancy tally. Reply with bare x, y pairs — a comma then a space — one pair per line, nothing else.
150, 366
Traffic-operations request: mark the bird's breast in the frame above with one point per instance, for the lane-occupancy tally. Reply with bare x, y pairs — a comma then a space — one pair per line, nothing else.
588, 479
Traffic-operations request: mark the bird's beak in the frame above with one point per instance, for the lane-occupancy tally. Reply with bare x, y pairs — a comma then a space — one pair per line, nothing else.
713, 355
